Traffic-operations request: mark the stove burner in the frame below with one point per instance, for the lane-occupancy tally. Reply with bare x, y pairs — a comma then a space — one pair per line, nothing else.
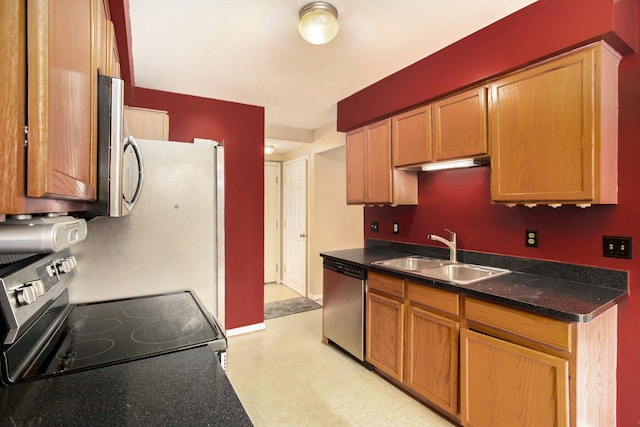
95, 327
85, 349
98, 311
167, 330
155, 308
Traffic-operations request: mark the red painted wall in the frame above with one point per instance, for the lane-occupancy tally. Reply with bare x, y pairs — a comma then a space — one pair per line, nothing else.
460, 199
540, 30
241, 129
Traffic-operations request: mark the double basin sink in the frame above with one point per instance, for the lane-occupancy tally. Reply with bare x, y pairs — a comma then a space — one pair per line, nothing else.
443, 270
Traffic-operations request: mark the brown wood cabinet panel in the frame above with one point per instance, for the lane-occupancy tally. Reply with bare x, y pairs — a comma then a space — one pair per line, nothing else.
102, 36
385, 334
460, 125
547, 331
504, 384
114, 57
553, 130
392, 286
378, 164
144, 123
12, 104
356, 171
61, 100
370, 176
431, 367
411, 140
444, 301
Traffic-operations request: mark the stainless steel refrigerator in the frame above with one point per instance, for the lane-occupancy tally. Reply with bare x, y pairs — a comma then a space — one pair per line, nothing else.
172, 240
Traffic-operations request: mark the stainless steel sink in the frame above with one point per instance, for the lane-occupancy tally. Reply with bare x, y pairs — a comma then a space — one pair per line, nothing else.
463, 274
411, 263
438, 269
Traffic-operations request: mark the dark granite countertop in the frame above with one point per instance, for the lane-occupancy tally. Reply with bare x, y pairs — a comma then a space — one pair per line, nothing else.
561, 291
187, 387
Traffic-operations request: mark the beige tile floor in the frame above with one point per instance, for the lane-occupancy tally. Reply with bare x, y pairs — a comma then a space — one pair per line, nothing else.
277, 292
285, 376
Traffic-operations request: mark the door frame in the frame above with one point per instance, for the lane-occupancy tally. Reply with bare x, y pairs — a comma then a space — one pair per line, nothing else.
278, 204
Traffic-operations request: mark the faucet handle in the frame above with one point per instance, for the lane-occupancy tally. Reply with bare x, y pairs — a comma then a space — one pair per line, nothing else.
452, 235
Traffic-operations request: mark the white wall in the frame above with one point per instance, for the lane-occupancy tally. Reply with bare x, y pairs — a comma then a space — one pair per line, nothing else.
332, 224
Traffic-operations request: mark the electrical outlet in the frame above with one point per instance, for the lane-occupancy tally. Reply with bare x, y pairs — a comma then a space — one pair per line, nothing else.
374, 227
616, 247
531, 238
396, 228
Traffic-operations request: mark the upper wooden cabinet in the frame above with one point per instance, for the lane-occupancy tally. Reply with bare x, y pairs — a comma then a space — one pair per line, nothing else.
356, 172
62, 96
553, 130
452, 128
460, 125
48, 83
145, 123
371, 179
411, 139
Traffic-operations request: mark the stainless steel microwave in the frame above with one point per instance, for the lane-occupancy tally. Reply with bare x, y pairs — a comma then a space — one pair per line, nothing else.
120, 167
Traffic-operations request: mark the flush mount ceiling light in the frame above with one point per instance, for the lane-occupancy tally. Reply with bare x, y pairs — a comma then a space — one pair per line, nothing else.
318, 22
269, 149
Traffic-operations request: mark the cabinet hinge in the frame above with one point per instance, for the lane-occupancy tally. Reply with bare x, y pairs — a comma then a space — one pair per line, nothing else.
26, 136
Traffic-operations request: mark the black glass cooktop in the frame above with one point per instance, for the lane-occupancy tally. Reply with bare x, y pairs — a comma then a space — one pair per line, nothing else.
103, 333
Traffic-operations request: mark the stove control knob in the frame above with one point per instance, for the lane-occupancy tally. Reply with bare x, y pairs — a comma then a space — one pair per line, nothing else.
26, 295
38, 286
67, 264
51, 270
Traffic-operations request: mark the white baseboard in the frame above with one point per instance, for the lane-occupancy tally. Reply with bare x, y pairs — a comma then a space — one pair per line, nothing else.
315, 297
246, 329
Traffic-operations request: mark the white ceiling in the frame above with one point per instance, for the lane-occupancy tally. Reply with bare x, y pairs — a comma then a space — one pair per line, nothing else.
249, 51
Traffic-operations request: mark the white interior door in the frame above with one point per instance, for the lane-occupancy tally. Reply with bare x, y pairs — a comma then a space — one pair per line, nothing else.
271, 221
295, 225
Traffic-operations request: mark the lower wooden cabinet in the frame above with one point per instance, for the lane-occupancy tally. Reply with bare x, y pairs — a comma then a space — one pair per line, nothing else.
432, 357
505, 384
523, 369
385, 324
488, 365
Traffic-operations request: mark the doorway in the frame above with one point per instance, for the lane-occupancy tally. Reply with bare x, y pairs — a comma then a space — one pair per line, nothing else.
294, 270
272, 172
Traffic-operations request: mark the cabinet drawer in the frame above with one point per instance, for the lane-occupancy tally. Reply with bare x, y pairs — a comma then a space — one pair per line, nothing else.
544, 330
388, 285
435, 298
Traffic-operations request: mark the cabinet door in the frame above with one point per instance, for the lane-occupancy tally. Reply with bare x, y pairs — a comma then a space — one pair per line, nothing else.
61, 100
356, 166
411, 140
431, 367
102, 36
144, 123
460, 125
504, 384
384, 335
547, 127
114, 57
378, 162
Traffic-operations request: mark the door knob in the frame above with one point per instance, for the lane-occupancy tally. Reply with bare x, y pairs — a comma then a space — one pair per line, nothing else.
302, 236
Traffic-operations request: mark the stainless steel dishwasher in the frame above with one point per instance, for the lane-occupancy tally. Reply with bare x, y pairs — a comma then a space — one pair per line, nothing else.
343, 303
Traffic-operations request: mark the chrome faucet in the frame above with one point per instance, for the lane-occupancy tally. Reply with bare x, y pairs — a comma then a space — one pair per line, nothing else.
451, 244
